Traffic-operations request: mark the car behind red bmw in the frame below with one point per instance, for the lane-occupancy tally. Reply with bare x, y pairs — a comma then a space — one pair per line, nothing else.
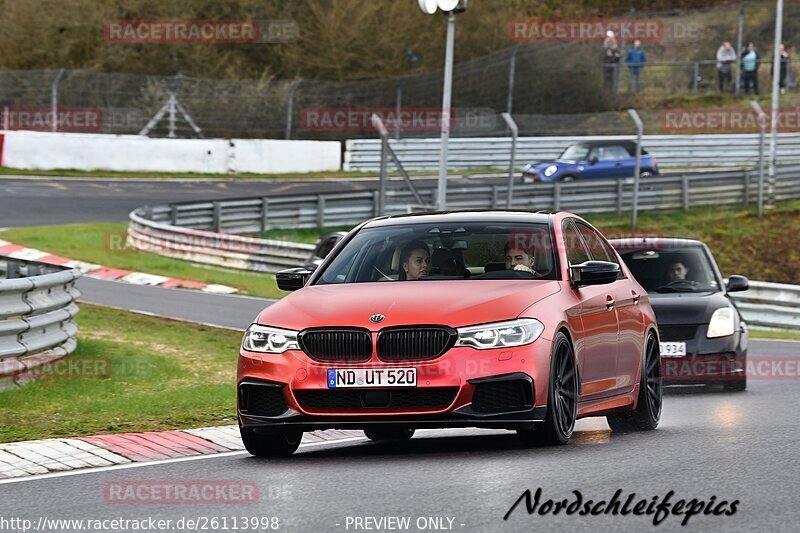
495, 319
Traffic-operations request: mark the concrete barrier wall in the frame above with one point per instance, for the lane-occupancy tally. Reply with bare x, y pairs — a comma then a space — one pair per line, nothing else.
48, 151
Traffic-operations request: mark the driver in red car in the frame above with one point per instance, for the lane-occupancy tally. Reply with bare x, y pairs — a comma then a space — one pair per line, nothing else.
518, 258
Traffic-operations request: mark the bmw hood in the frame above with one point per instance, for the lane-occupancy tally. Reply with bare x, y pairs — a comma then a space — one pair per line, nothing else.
686, 308
452, 303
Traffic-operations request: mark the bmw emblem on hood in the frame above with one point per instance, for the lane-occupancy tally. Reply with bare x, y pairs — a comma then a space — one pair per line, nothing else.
376, 318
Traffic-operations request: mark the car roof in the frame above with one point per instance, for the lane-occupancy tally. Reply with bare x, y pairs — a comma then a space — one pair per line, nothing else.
641, 242
465, 216
629, 145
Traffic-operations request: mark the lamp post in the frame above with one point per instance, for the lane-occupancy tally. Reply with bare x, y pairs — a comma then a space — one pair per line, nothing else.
450, 8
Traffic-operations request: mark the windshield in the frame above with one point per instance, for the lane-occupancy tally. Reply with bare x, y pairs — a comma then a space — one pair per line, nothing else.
672, 270
576, 152
426, 252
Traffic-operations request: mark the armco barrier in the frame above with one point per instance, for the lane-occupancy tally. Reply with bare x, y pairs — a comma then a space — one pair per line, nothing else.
84, 151
37, 306
214, 248
206, 232
672, 151
772, 305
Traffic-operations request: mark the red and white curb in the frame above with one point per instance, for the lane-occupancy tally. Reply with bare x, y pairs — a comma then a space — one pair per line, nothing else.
28, 458
112, 274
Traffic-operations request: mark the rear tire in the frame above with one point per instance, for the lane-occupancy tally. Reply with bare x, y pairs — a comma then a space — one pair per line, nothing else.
281, 444
651, 389
389, 434
562, 399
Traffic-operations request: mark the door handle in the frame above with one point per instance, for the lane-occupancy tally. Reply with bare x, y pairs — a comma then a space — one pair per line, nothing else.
636, 297
610, 302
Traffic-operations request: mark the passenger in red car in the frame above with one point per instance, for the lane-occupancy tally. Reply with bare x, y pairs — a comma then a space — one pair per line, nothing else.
415, 261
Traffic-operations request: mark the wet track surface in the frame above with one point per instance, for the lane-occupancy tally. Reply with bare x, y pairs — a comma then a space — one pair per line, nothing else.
735, 446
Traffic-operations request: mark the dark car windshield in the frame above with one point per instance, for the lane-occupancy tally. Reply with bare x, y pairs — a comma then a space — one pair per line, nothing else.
685, 269
576, 152
449, 251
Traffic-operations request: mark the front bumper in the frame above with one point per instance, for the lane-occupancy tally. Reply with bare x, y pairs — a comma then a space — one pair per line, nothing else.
717, 360
445, 395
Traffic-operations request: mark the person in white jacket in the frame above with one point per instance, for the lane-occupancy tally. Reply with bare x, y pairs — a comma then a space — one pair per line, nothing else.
726, 56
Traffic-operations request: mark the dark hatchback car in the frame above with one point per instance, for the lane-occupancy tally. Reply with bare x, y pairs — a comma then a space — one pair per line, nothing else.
324, 245
592, 160
702, 334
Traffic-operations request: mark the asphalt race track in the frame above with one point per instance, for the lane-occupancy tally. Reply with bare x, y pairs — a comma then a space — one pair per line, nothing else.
732, 446
42, 202
177, 303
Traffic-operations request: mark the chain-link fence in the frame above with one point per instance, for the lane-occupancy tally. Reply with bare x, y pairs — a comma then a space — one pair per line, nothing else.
532, 82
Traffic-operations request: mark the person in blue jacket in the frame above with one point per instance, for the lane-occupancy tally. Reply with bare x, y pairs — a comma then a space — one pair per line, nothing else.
636, 60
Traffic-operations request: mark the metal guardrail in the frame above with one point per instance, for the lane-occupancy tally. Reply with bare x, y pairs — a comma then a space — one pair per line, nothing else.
770, 305
37, 307
672, 151
208, 232
210, 247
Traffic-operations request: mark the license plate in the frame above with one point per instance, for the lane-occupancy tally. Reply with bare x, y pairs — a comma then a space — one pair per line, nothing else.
673, 349
371, 377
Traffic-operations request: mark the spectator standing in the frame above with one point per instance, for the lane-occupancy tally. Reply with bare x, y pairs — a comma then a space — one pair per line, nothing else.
726, 57
750, 64
611, 59
784, 69
636, 60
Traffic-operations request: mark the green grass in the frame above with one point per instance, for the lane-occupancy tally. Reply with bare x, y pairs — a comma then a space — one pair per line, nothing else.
309, 236
174, 376
103, 243
774, 334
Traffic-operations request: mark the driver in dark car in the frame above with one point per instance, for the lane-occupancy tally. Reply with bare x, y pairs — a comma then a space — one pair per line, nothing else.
677, 271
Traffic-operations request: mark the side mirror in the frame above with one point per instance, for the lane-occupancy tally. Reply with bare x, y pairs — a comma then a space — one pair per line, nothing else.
593, 160
292, 279
594, 273
737, 284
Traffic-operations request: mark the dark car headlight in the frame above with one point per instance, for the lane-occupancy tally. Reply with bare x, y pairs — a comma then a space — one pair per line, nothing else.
500, 334
266, 339
722, 323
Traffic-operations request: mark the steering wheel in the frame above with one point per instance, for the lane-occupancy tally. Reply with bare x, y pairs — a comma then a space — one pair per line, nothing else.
682, 283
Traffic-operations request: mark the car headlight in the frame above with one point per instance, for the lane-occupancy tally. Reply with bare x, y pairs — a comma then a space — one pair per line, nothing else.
721, 323
265, 339
549, 171
500, 334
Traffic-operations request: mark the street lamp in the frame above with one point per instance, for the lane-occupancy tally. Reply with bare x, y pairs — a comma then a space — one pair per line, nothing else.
450, 8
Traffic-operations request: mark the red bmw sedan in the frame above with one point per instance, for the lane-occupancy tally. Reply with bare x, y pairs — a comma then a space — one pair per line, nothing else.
494, 319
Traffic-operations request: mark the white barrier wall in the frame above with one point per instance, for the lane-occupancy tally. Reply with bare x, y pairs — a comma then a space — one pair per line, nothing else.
83, 151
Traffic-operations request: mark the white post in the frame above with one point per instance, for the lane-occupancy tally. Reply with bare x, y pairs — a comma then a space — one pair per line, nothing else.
776, 93
446, 98
637, 170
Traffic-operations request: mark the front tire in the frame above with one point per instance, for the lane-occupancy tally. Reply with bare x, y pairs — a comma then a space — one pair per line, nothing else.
389, 434
648, 407
562, 399
281, 444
